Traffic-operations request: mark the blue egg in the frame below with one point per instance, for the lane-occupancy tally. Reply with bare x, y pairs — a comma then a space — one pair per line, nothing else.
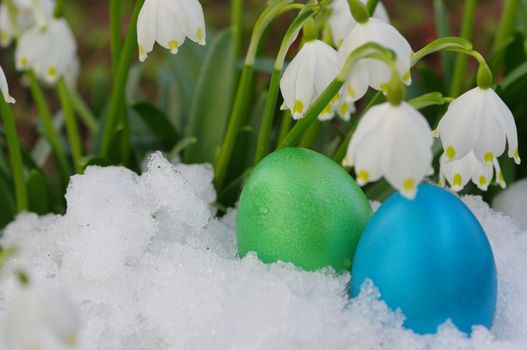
431, 258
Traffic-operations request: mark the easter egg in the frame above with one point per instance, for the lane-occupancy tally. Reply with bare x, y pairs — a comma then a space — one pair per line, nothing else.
430, 258
299, 206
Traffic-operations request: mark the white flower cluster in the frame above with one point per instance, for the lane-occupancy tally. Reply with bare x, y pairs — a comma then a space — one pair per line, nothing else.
395, 141
45, 44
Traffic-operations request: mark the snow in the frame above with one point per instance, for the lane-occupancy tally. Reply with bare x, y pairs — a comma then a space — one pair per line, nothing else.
513, 202
149, 266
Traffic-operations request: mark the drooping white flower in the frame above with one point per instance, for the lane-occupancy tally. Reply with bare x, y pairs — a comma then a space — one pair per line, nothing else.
169, 22
459, 172
307, 76
394, 142
372, 72
4, 88
49, 52
478, 121
37, 313
341, 22
25, 14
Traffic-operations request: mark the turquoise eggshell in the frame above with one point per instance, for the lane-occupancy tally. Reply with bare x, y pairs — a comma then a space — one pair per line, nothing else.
430, 258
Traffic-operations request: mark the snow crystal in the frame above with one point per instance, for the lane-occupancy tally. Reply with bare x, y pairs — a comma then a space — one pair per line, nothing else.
513, 202
149, 266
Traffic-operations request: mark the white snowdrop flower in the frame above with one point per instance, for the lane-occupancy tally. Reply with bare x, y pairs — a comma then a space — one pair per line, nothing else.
48, 52
481, 122
4, 88
394, 142
27, 13
341, 22
372, 72
36, 314
169, 22
459, 172
307, 76
338, 106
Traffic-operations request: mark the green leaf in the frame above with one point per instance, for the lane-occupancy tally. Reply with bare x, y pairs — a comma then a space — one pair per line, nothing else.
38, 192
515, 53
157, 122
212, 101
186, 68
7, 200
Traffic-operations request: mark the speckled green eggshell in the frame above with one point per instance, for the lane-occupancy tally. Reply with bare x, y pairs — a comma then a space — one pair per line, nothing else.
301, 207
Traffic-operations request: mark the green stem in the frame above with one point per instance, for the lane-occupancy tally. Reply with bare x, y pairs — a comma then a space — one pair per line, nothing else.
460, 65
508, 18
15, 156
372, 5
85, 114
115, 37
305, 14
58, 12
311, 134
239, 111
47, 120
268, 114
285, 125
118, 93
241, 101
71, 126
237, 25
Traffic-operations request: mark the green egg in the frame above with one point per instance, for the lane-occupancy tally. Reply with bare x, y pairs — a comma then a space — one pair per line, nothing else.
301, 207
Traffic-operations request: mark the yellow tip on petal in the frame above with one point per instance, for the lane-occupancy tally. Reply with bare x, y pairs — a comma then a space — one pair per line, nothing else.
435, 133
173, 46
72, 340
52, 72
298, 107
450, 152
483, 183
458, 180
201, 36
489, 156
23, 62
350, 92
344, 109
362, 177
517, 159
327, 110
407, 77
142, 53
501, 179
409, 188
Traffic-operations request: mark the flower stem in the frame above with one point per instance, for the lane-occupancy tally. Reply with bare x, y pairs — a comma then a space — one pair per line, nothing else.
51, 134
241, 101
15, 156
118, 92
236, 120
115, 38
510, 11
460, 65
285, 125
272, 96
58, 12
237, 25
372, 5
71, 125
268, 114
85, 114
